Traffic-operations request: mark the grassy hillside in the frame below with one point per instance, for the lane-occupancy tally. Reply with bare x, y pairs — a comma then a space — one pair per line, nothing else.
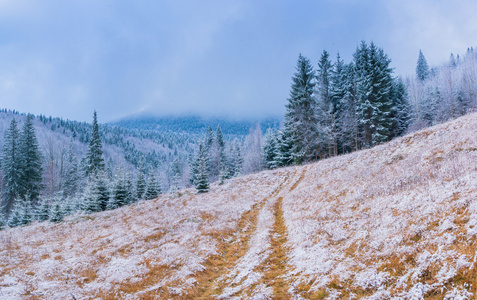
396, 221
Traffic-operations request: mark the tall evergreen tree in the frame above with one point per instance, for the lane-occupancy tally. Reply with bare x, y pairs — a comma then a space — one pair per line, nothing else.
31, 161
270, 145
201, 182
11, 166
2, 221
374, 91
300, 126
70, 180
401, 112
422, 68
94, 157
140, 185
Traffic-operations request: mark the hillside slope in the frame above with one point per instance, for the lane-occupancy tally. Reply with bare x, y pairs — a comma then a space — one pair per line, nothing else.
398, 221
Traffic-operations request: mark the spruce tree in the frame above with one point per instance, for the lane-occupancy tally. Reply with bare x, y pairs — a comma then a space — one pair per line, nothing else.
175, 174
3, 223
119, 193
11, 166
15, 218
140, 185
94, 157
70, 178
57, 213
202, 179
43, 210
422, 68
153, 188
401, 112
374, 94
90, 203
102, 190
129, 190
30, 161
270, 145
300, 126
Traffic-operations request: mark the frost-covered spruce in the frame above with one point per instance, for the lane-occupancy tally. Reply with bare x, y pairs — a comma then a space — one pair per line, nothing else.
89, 203
57, 213
140, 185
102, 190
300, 118
31, 166
43, 211
94, 157
202, 179
2, 221
11, 166
22, 213
119, 192
153, 188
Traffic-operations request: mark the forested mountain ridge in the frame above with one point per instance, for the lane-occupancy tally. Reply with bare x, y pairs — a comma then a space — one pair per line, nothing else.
195, 124
397, 221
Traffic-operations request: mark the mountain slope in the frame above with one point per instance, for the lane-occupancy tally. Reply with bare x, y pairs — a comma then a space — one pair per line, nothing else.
396, 221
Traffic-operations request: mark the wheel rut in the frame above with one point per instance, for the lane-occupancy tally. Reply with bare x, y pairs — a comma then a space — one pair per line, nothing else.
232, 247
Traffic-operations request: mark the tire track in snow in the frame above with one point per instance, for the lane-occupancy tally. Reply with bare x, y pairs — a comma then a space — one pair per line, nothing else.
211, 282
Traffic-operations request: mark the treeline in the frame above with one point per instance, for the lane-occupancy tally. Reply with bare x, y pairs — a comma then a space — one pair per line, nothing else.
342, 107
338, 108
441, 93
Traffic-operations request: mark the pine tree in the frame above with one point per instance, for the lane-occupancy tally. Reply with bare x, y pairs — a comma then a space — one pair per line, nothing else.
422, 68
202, 180
300, 126
43, 210
71, 177
102, 190
2, 221
374, 90
401, 112
11, 166
140, 185
327, 108
90, 202
15, 218
22, 213
175, 174
30, 161
270, 145
129, 189
119, 192
57, 213
94, 157
153, 189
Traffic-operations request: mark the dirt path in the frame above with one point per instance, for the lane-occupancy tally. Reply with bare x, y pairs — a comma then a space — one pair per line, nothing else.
233, 248
275, 267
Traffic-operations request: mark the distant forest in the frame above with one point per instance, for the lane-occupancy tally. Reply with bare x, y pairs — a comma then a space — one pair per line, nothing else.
52, 167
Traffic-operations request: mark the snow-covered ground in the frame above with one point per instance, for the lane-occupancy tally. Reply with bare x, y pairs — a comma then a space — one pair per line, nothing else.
398, 221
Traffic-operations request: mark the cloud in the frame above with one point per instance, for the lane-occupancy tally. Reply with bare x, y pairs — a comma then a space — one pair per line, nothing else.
236, 58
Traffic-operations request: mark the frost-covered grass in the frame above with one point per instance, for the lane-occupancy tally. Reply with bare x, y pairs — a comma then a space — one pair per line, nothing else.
150, 248
398, 221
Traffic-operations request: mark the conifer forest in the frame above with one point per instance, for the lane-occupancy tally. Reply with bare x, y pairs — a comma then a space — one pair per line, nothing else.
51, 167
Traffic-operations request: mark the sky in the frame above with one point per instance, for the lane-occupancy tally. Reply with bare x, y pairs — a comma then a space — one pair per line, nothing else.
226, 58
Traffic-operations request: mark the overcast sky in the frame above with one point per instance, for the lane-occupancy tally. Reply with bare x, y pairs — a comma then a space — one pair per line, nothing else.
224, 57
